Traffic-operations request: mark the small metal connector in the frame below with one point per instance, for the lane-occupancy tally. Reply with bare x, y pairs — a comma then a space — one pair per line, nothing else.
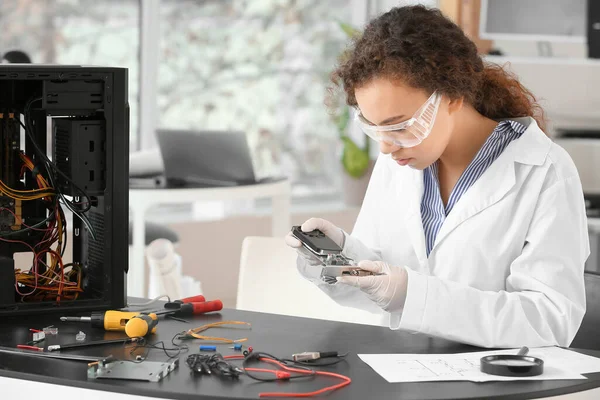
50, 330
38, 336
306, 356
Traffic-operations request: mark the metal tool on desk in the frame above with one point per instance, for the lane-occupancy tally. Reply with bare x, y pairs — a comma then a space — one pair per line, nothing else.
35, 353
189, 306
56, 347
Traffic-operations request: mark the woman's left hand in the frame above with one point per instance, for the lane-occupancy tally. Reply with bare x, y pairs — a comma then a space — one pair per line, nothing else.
387, 289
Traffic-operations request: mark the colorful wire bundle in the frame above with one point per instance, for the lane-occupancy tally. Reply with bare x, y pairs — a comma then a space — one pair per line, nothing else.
44, 281
195, 332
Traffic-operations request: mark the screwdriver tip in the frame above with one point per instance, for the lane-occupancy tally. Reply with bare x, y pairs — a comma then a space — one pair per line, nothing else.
63, 318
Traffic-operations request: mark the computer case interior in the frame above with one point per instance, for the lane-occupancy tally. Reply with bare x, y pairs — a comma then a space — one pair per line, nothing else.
64, 134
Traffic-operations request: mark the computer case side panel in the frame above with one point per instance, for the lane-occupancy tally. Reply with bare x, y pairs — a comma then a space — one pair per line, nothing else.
117, 193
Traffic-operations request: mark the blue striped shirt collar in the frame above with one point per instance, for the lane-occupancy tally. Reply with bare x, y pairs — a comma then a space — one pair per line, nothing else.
433, 212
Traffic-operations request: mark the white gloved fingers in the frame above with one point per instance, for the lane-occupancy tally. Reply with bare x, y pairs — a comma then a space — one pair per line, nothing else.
372, 286
291, 241
387, 290
315, 223
398, 288
364, 283
376, 267
329, 229
349, 280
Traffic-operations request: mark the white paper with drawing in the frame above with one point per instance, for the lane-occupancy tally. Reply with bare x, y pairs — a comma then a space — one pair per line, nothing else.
558, 364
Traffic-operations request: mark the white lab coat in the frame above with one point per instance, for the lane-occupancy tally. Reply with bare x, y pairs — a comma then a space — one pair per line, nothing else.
507, 266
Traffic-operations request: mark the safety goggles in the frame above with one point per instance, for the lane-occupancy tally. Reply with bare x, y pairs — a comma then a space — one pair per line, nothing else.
408, 133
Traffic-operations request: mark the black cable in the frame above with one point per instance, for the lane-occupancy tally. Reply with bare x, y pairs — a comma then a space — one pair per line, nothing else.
48, 162
256, 356
209, 363
65, 233
50, 167
179, 336
160, 345
318, 362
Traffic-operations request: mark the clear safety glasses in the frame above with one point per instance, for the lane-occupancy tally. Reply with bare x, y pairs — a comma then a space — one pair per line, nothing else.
408, 133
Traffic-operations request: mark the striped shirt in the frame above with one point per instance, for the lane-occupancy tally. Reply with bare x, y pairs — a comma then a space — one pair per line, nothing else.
433, 212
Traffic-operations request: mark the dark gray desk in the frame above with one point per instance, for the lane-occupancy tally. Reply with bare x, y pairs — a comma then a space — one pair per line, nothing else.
280, 336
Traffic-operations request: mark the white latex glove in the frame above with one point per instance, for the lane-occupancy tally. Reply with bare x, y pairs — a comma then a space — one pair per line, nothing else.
388, 291
329, 229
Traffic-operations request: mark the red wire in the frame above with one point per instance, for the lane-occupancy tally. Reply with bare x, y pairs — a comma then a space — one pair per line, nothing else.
62, 269
34, 267
346, 380
26, 347
57, 275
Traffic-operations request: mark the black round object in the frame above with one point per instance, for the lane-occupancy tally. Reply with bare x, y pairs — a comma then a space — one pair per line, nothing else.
16, 57
512, 365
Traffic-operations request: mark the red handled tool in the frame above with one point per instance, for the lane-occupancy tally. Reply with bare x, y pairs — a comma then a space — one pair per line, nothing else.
176, 305
195, 305
193, 299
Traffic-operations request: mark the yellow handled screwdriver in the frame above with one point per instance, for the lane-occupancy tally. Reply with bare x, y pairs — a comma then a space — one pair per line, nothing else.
134, 324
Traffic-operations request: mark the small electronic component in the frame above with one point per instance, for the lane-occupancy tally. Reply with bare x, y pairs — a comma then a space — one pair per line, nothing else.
207, 364
307, 355
38, 336
11, 214
50, 330
315, 355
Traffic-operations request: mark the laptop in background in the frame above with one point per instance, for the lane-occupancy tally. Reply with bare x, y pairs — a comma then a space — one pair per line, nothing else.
206, 158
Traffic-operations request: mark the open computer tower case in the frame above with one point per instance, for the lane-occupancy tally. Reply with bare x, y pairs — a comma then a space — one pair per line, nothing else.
64, 134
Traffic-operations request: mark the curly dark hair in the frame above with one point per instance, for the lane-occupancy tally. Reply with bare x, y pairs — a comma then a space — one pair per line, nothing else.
422, 48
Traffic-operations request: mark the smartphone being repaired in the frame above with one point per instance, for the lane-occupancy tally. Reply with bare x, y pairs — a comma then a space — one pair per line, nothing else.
329, 254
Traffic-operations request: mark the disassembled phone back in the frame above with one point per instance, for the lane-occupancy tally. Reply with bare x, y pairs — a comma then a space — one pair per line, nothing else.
335, 265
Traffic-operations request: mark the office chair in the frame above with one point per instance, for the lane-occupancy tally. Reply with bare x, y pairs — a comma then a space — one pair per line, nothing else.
588, 336
270, 282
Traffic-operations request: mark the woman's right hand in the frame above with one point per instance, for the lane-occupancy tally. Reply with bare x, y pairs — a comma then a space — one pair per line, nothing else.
329, 229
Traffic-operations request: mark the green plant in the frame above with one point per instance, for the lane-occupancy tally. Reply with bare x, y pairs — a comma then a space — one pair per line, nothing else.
355, 159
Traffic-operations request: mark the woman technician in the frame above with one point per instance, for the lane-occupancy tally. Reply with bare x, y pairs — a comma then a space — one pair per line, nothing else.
474, 218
